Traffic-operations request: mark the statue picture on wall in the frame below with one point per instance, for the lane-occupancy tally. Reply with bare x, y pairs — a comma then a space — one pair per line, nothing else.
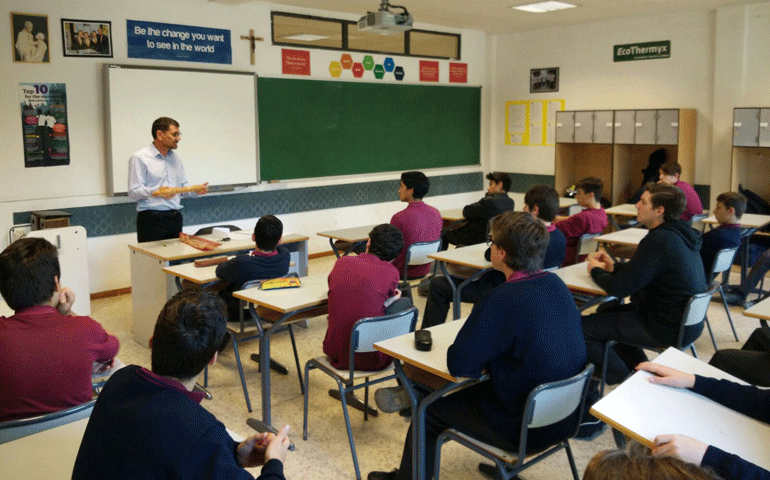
86, 38
544, 80
30, 38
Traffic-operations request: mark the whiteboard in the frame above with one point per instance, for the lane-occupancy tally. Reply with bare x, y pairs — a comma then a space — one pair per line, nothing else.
217, 115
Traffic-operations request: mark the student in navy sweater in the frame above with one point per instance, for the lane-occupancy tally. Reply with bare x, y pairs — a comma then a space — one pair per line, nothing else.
729, 210
746, 399
267, 261
150, 424
524, 333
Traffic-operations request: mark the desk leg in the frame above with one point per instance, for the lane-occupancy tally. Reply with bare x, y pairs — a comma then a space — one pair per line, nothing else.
746, 250
455, 292
334, 248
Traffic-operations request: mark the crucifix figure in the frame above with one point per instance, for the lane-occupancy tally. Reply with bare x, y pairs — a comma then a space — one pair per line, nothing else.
253, 41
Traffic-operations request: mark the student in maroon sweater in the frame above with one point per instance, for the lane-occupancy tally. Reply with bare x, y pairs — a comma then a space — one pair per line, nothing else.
592, 219
670, 173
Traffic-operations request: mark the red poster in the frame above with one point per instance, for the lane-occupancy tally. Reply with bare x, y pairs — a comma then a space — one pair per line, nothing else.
428, 71
458, 72
296, 62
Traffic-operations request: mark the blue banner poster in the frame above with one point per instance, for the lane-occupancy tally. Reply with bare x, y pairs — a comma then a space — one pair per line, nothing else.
167, 41
44, 124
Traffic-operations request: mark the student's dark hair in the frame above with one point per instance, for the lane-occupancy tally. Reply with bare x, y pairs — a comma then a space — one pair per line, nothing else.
547, 200
592, 185
162, 124
189, 330
635, 462
387, 242
417, 181
669, 197
267, 232
735, 200
499, 177
27, 270
671, 168
524, 239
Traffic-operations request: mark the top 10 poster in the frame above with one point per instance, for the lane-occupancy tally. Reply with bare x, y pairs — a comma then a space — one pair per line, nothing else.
44, 124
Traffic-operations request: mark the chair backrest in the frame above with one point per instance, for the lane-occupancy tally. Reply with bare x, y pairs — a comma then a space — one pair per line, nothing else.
695, 312
367, 331
208, 230
587, 243
14, 429
553, 402
417, 254
723, 260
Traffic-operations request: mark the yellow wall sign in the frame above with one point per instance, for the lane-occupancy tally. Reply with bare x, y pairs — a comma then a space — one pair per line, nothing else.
531, 122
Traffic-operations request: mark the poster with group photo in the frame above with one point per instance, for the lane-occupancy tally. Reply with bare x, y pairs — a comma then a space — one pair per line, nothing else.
44, 124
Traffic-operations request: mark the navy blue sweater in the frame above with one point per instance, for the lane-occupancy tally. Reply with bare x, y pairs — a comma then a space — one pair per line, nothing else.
727, 236
746, 399
245, 267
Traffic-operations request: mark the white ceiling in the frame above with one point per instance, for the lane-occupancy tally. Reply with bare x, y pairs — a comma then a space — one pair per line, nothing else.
496, 16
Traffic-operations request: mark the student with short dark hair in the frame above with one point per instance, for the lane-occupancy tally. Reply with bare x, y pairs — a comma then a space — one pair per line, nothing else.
149, 424
363, 286
728, 213
524, 333
473, 229
47, 353
418, 222
267, 261
592, 219
670, 173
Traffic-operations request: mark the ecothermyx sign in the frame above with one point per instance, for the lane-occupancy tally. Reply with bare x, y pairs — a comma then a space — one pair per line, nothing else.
641, 51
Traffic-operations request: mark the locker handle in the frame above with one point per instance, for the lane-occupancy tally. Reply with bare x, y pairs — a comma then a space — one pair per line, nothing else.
763, 124
737, 124
674, 124
609, 124
577, 124
617, 124
638, 124
558, 125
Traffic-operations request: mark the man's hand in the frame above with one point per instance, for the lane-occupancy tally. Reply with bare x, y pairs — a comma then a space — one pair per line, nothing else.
680, 446
667, 375
279, 445
258, 449
202, 189
165, 192
602, 260
66, 299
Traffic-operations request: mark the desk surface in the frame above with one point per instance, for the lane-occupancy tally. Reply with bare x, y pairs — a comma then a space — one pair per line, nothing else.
748, 220
434, 361
759, 310
644, 410
453, 214
470, 256
629, 236
314, 291
188, 271
355, 234
622, 210
576, 277
174, 249
47, 454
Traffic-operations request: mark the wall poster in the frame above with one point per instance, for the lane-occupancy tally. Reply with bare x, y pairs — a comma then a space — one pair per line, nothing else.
44, 124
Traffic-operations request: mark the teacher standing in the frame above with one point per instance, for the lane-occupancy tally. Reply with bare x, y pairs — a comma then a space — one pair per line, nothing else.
151, 169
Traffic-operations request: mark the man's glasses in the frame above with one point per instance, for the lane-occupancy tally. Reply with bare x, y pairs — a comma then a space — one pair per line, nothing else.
490, 241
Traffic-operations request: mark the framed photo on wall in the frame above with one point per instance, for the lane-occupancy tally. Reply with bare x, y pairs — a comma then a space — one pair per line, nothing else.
30, 38
544, 80
86, 38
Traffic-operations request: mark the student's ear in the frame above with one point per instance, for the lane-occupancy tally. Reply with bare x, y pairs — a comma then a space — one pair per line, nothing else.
535, 211
253, 238
368, 244
56, 282
213, 359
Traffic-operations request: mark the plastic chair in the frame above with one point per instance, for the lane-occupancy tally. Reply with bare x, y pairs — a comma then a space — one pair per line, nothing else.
15, 429
417, 254
365, 333
694, 313
723, 261
546, 405
208, 230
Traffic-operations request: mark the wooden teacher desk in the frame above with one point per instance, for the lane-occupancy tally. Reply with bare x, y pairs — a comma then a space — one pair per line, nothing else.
643, 410
151, 287
471, 258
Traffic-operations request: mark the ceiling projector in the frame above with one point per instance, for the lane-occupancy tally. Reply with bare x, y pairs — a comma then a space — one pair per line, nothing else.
385, 22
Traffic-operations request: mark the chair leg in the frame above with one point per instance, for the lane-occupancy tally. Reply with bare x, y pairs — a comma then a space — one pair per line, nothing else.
607, 347
571, 459
240, 372
206, 377
729, 317
296, 359
306, 393
437, 465
343, 395
366, 399
620, 439
708, 325
692, 349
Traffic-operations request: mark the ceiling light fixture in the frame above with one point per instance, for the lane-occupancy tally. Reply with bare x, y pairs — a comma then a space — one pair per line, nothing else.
543, 7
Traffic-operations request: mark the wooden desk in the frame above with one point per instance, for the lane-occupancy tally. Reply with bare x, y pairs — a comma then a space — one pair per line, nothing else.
471, 257
355, 235
403, 351
151, 287
47, 454
761, 311
288, 302
191, 273
454, 214
576, 277
625, 210
628, 237
643, 410
750, 223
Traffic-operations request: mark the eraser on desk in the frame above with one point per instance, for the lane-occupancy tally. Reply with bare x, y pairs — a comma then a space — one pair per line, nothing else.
423, 340
219, 232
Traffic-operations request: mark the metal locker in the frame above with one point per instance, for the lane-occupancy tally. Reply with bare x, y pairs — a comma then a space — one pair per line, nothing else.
565, 127
645, 127
764, 127
624, 126
584, 127
746, 127
603, 126
667, 127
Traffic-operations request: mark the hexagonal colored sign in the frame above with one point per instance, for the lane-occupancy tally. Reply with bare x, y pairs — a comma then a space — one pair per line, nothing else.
358, 70
347, 61
389, 64
335, 69
379, 72
399, 73
368, 62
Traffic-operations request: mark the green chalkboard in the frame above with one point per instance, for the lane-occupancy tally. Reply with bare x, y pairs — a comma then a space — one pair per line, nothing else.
313, 128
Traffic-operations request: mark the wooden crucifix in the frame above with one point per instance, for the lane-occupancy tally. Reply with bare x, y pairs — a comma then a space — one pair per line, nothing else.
253, 41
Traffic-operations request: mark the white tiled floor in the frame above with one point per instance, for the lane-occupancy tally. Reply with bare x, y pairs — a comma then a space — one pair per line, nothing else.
379, 441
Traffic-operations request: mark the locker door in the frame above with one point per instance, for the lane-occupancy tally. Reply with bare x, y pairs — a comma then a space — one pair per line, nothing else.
764, 127
624, 126
668, 127
584, 127
565, 127
603, 126
645, 127
746, 127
